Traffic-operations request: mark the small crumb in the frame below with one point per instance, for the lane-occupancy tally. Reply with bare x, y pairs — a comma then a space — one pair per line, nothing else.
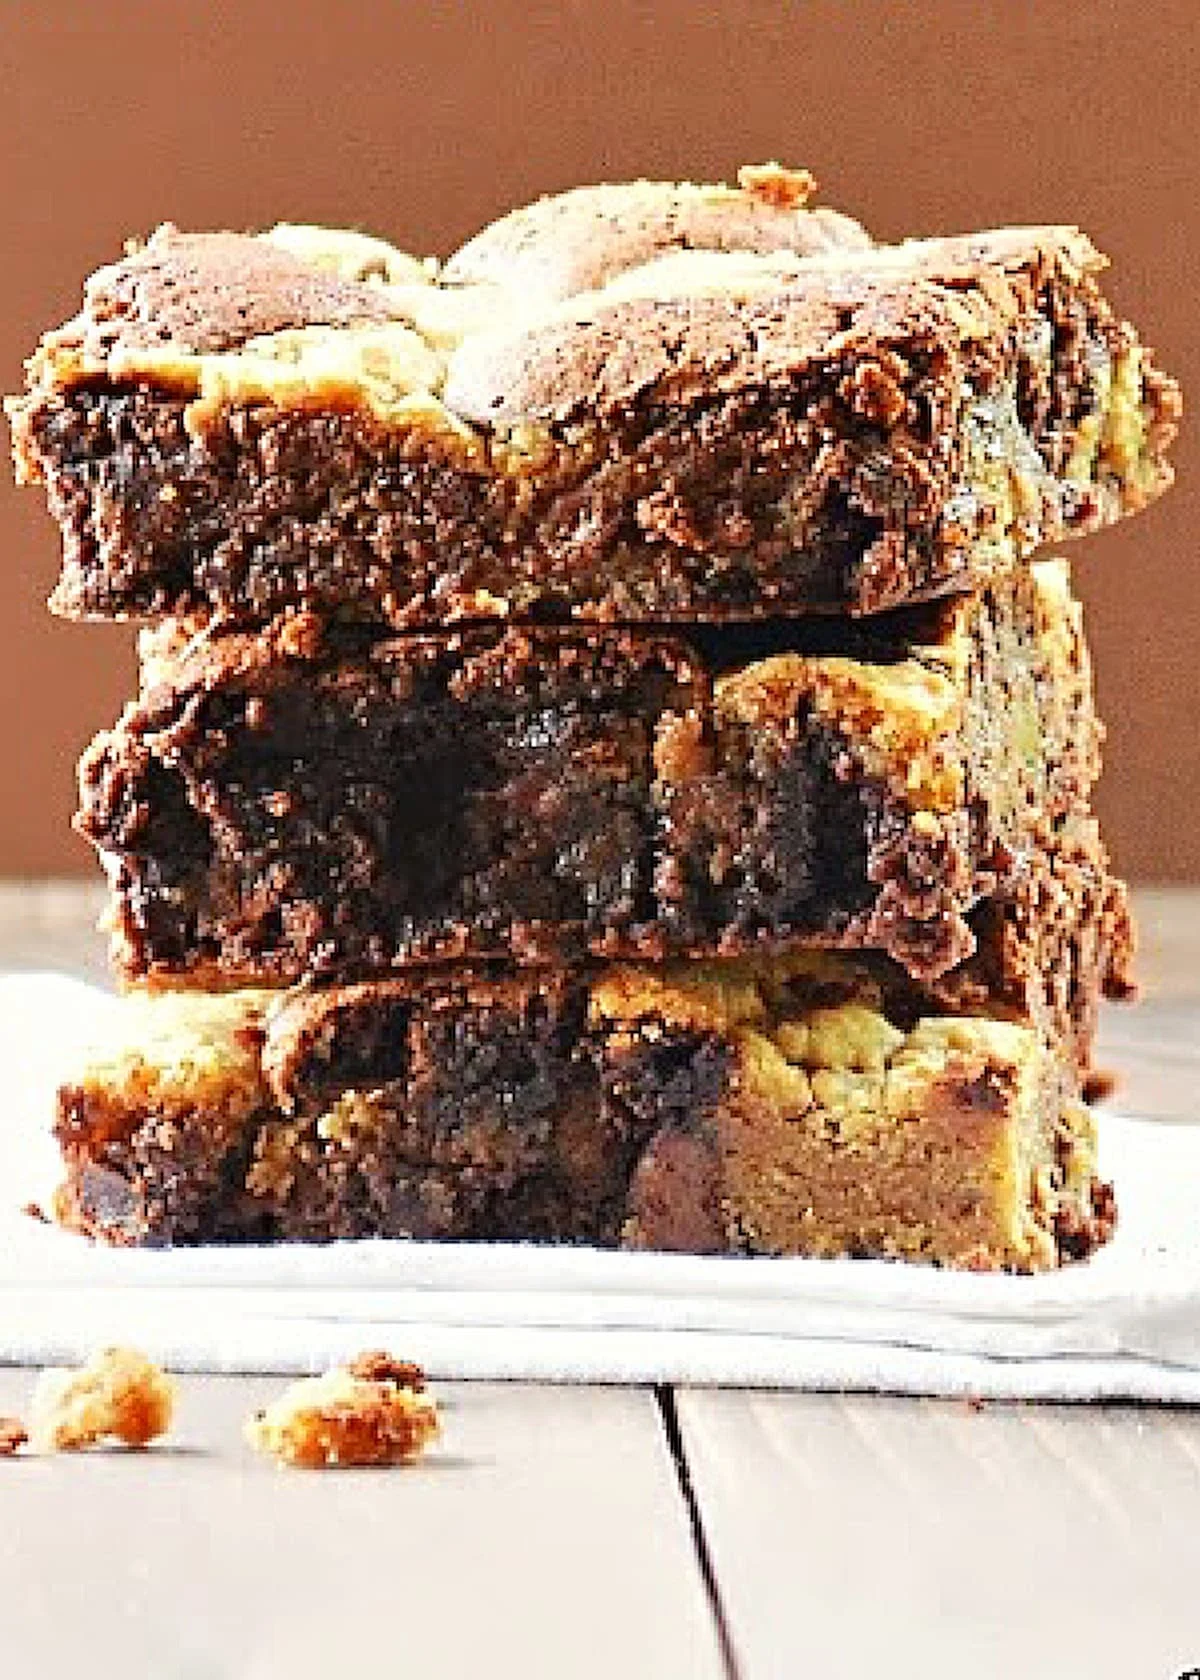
299, 634
787, 189
926, 823
1099, 1085
118, 1394
35, 1210
376, 1366
975, 1403
13, 1436
372, 1411
279, 802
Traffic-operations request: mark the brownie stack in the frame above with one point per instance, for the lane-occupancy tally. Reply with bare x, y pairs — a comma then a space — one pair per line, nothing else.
612, 761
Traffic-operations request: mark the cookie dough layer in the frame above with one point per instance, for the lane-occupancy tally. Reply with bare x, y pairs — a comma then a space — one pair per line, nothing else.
320, 799
631, 403
799, 1105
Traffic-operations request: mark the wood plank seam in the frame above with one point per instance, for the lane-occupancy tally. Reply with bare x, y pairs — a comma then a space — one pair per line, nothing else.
669, 1418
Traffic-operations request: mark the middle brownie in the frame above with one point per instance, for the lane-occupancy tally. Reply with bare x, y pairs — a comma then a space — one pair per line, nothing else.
324, 797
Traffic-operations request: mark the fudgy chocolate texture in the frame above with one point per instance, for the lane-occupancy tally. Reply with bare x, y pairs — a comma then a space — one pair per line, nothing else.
633, 403
1050, 945
322, 799
811, 1104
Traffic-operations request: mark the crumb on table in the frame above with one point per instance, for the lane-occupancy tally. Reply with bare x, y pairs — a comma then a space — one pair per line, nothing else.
371, 1411
376, 1366
118, 1394
13, 1436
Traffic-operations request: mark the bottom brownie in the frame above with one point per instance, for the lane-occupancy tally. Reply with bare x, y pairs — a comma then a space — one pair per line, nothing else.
810, 1103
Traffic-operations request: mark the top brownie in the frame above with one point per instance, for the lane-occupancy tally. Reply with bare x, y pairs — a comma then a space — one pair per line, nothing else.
638, 402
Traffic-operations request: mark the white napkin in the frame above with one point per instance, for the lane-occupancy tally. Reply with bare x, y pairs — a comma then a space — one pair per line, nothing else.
1124, 1325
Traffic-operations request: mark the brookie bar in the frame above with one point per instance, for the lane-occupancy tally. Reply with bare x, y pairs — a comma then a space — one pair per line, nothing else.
800, 1105
322, 799
630, 403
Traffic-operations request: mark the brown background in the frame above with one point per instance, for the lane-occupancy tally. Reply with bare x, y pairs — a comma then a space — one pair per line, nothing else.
423, 121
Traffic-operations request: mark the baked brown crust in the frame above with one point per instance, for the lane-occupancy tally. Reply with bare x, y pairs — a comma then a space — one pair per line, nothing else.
578, 242
627, 403
321, 799
809, 1103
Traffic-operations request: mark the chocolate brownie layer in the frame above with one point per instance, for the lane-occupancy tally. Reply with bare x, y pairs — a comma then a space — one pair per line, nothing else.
812, 1103
807, 1104
321, 799
628, 403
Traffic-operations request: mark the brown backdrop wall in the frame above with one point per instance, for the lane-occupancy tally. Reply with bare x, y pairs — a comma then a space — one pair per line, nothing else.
423, 121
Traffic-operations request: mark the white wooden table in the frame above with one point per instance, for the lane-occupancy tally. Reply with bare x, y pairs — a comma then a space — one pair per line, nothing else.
670, 1535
